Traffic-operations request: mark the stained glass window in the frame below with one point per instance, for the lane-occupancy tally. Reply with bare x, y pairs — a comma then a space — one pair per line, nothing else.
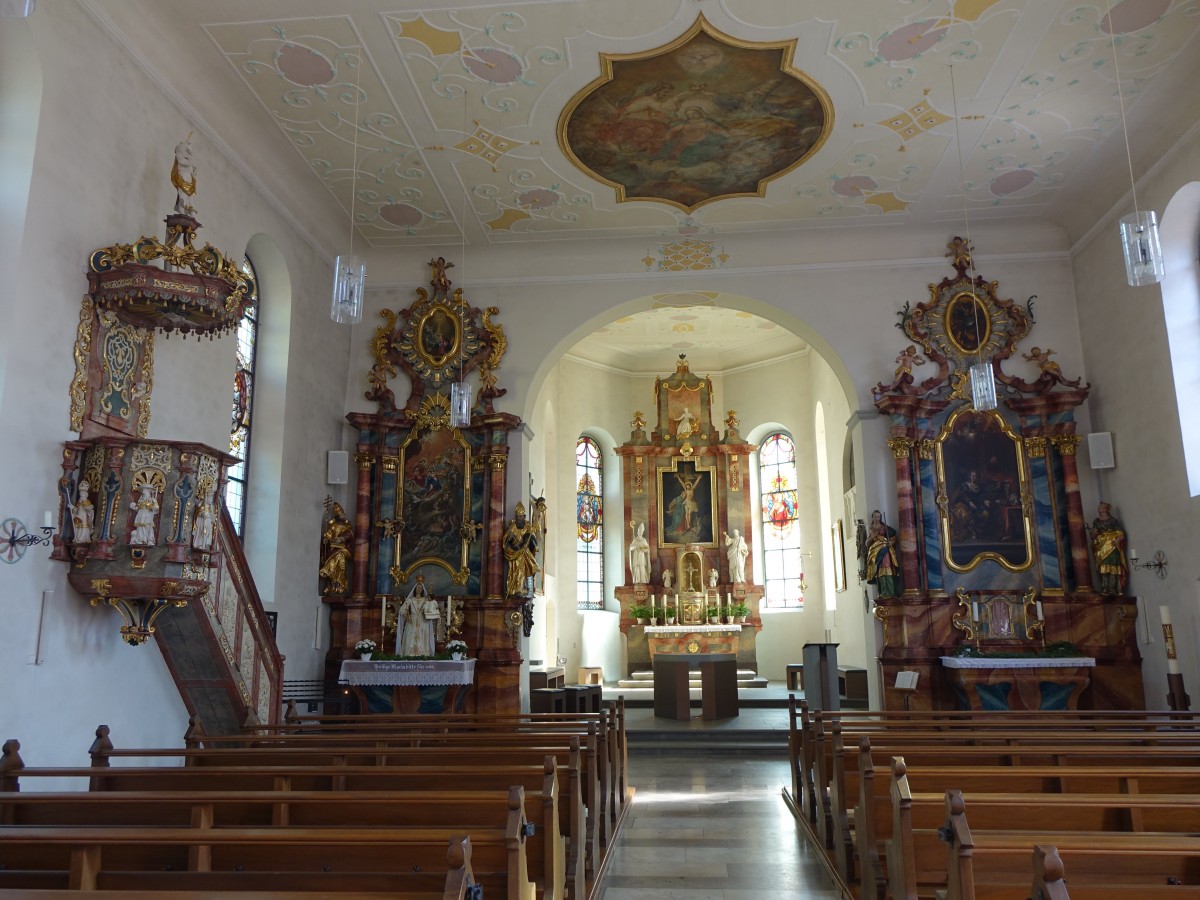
783, 573
589, 524
243, 395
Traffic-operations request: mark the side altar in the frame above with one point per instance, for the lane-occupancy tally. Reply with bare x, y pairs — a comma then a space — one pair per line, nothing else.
421, 558
688, 576
988, 555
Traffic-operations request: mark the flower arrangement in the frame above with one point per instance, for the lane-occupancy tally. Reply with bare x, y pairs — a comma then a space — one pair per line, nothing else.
366, 645
456, 646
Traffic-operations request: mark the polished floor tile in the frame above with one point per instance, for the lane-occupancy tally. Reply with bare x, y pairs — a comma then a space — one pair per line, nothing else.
711, 828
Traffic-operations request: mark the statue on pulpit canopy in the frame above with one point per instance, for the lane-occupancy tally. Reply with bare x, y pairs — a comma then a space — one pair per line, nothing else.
183, 177
520, 547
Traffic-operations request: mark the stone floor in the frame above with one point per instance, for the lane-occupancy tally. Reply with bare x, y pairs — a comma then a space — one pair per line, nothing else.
711, 828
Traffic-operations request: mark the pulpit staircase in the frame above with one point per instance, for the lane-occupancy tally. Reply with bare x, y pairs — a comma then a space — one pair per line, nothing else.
220, 649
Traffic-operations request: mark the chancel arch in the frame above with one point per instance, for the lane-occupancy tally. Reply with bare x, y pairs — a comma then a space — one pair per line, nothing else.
638, 374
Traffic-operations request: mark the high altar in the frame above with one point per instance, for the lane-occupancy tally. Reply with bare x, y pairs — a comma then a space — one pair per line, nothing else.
686, 486
990, 547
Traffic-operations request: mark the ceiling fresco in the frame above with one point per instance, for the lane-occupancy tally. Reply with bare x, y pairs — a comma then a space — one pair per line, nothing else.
701, 120
538, 121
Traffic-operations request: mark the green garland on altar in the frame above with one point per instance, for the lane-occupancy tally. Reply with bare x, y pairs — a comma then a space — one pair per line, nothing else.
1057, 650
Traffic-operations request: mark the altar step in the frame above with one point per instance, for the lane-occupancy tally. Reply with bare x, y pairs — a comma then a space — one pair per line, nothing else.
745, 742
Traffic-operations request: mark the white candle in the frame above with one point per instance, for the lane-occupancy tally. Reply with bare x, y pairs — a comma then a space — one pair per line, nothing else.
48, 520
1040, 614
653, 602
1164, 614
1133, 554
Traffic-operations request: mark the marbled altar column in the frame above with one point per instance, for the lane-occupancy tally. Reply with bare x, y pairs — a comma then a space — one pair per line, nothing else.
1065, 444
910, 565
493, 581
362, 524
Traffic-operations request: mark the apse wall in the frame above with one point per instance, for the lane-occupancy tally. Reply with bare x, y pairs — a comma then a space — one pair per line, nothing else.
101, 175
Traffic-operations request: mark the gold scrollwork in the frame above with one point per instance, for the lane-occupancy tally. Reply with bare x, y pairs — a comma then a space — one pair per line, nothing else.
391, 463
83, 349
639, 473
881, 613
961, 618
925, 449
1065, 444
145, 386
901, 447
497, 461
1035, 447
499, 344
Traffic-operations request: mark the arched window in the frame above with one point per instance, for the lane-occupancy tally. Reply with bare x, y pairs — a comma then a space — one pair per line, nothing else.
782, 564
243, 395
589, 524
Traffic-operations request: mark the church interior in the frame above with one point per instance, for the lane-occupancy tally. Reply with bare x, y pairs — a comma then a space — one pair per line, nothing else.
687, 327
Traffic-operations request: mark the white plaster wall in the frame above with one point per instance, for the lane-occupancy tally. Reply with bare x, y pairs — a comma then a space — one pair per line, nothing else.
101, 175
1133, 395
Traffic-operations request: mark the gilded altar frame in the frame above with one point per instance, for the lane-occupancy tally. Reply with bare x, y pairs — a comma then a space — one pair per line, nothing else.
436, 439
998, 525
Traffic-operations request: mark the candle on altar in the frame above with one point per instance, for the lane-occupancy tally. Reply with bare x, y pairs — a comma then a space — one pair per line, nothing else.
653, 602
1164, 613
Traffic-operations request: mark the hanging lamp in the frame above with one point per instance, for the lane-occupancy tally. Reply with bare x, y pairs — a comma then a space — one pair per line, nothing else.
1139, 229
349, 270
983, 383
460, 396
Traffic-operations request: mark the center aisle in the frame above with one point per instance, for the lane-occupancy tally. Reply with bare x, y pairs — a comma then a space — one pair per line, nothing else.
712, 828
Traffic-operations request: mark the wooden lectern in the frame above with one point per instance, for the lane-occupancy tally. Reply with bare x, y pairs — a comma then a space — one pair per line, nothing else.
821, 677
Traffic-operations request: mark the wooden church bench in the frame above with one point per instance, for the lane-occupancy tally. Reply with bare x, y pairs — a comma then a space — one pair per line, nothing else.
462, 810
567, 752
358, 858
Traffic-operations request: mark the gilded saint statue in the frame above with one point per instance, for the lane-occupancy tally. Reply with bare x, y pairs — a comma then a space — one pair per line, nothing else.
1108, 547
335, 552
883, 556
520, 547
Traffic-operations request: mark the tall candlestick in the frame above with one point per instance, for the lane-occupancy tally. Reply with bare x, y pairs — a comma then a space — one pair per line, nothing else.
1164, 613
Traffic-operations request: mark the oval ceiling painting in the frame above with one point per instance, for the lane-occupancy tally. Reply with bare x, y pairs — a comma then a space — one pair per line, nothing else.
704, 118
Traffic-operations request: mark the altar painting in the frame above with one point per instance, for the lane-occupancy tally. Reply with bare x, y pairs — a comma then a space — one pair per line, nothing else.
436, 468
686, 501
983, 493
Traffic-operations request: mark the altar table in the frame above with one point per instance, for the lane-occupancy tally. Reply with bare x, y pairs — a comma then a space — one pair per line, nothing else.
718, 685
997, 683
417, 685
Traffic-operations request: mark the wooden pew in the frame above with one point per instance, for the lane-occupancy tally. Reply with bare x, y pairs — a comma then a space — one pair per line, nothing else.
545, 847
548, 778
423, 733
610, 722
191, 858
460, 884
971, 863
567, 752
1090, 787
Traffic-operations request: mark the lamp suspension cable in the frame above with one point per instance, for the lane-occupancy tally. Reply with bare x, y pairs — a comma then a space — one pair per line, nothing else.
460, 398
983, 385
349, 271
1139, 230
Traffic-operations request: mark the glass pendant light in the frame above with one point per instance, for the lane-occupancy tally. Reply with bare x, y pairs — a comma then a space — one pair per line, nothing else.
1139, 229
983, 386
349, 270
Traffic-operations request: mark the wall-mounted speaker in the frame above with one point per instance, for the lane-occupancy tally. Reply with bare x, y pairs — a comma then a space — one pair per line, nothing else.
337, 467
1100, 450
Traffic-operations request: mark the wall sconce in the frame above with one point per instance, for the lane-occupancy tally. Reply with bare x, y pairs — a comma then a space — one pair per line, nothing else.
15, 538
1157, 563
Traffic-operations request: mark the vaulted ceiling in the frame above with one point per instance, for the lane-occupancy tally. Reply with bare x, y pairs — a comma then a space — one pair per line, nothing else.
433, 126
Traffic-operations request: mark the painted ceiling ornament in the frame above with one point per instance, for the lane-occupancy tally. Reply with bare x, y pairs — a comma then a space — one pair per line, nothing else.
964, 323
701, 119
